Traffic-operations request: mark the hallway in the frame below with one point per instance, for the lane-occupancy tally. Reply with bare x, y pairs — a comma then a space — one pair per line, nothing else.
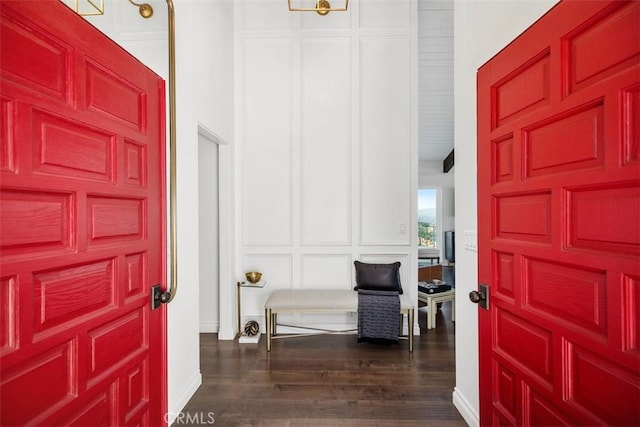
329, 381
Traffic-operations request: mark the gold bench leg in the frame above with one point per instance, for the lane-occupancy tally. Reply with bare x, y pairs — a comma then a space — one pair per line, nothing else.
410, 329
267, 316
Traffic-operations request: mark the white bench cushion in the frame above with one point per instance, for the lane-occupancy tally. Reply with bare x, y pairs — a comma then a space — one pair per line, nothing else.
428, 252
305, 300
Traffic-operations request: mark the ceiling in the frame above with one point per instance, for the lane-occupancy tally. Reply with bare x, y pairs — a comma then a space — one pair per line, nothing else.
435, 75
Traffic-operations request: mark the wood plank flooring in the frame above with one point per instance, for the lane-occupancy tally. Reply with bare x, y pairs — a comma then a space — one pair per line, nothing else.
329, 380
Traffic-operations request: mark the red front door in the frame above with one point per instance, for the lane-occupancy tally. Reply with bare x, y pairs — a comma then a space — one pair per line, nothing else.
559, 220
82, 225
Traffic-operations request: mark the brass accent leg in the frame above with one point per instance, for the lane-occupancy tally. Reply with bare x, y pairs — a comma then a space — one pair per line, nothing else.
410, 319
239, 309
268, 318
274, 324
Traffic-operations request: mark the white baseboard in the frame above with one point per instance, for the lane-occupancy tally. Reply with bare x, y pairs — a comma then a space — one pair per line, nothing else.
187, 393
466, 410
209, 328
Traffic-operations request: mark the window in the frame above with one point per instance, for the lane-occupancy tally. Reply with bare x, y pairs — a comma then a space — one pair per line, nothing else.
428, 217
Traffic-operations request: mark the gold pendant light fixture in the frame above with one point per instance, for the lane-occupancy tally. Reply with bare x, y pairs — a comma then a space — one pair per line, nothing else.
145, 9
96, 7
322, 7
88, 7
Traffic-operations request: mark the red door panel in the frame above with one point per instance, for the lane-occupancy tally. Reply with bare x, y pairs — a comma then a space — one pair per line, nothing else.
559, 235
82, 210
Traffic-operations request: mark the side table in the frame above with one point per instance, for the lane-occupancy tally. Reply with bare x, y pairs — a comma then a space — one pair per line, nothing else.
242, 337
432, 301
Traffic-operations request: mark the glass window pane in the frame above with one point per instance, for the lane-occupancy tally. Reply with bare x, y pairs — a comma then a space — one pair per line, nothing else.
427, 217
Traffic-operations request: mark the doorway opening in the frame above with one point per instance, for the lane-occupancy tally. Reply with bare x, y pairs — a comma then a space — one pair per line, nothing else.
208, 226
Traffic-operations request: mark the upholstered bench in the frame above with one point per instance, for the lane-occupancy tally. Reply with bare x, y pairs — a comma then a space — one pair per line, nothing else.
320, 301
430, 254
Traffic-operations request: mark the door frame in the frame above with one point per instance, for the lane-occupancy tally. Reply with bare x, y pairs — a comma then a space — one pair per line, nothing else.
226, 298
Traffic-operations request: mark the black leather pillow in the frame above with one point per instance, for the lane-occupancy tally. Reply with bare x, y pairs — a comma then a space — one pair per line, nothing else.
378, 277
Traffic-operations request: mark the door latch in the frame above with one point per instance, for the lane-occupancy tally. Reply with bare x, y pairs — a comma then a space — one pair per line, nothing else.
158, 297
480, 296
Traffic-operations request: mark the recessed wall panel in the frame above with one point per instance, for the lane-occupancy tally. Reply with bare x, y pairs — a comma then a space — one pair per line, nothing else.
72, 149
587, 373
331, 21
67, 294
566, 143
265, 15
524, 217
385, 123
277, 272
524, 344
547, 283
267, 146
385, 13
326, 149
326, 271
599, 219
613, 33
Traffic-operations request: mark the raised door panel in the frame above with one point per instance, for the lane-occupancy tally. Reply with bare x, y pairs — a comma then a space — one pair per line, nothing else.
559, 237
82, 217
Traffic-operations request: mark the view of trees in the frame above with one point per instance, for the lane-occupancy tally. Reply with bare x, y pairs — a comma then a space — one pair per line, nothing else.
427, 217
426, 233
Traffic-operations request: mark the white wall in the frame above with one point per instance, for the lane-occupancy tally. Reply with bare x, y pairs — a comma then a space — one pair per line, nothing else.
327, 145
482, 28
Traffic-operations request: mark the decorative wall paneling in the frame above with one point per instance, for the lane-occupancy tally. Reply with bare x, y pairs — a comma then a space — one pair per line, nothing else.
325, 157
385, 123
267, 141
327, 131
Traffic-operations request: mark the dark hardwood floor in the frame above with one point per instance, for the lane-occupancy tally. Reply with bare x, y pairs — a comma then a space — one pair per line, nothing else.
328, 380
